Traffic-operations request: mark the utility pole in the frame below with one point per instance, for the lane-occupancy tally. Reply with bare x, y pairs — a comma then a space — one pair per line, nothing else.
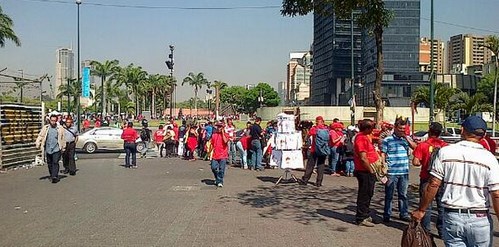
21, 85
432, 70
78, 82
352, 75
69, 95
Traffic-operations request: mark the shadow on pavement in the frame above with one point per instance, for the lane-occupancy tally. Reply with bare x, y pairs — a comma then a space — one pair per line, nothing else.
48, 177
309, 204
208, 181
267, 179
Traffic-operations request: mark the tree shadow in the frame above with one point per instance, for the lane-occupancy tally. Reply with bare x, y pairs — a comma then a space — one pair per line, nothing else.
309, 204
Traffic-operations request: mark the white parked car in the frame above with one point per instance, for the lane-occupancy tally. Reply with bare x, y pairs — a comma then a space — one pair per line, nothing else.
104, 138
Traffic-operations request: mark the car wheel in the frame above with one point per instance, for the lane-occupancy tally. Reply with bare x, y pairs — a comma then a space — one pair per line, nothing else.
140, 147
90, 147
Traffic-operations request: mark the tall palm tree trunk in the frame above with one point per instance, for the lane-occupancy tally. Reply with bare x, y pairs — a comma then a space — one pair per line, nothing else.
103, 95
196, 101
217, 102
153, 103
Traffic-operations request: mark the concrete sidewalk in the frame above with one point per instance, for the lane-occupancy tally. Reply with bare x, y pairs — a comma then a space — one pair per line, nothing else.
171, 202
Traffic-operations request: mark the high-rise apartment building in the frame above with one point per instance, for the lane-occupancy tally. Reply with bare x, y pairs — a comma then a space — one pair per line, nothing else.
465, 50
332, 58
64, 68
425, 55
299, 70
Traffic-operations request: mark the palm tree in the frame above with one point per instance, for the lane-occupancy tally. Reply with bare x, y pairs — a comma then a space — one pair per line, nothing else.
218, 85
197, 81
442, 95
470, 104
132, 76
104, 70
72, 90
6, 31
492, 43
158, 84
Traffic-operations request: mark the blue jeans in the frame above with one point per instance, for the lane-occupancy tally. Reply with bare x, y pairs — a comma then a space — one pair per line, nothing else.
244, 154
401, 182
218, 169
349, 166
333, 159
232, 152
256, 154
464, 229
130, 152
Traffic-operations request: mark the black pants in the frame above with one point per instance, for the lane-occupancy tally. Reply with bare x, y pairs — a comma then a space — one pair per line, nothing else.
68, 157
169, 147
312, 160
130, 150
366, 182
53, 164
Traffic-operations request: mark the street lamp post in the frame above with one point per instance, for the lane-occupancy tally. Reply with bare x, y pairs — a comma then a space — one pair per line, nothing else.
352, 73
496, 53
69, 95
169, 64
21, 85
78, 3
432, 70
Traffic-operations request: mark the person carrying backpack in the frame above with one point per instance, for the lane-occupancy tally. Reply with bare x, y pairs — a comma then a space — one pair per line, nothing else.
319, 151
423, 155
145, 136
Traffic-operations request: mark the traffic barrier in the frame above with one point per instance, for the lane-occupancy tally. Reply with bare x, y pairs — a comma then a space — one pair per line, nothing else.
19, 128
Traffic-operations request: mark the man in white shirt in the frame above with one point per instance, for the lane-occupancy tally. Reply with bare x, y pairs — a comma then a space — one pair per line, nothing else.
470, 175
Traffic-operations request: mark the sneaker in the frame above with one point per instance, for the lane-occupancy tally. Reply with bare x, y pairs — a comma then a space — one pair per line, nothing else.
245, 167
134, 167
220, 185
366, 223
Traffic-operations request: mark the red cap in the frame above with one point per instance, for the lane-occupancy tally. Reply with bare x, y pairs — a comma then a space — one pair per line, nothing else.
319, 118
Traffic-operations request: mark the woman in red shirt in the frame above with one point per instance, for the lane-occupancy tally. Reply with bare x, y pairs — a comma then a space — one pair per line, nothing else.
219, 140
192, 142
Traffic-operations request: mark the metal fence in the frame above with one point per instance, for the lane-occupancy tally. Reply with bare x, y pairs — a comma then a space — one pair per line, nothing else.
19, 128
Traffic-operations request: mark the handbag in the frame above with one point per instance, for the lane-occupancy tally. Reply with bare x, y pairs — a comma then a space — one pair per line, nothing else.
380, 170
415, 236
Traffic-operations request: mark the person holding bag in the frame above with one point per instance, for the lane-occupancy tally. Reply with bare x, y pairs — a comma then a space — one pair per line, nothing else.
71, 137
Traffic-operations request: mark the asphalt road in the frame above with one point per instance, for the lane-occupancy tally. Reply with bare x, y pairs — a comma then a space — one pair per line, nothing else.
98, 155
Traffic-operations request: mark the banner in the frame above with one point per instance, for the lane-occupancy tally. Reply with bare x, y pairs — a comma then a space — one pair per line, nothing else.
85, 92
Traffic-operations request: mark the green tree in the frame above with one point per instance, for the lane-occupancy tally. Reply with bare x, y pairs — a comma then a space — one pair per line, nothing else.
470, 104
374, 17
104, 70
486, 86
492, 43
270, 97
197, 81
132, 76
6, 30
234, 95
442, 95
71, 89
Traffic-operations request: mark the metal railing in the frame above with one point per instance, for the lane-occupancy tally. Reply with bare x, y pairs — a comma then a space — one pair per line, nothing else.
19, 128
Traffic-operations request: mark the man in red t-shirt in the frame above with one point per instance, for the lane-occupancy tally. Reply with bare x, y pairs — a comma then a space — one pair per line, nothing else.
488, 143
219, 142
422, 155
314, 158
129, 136
364, 155
335, 142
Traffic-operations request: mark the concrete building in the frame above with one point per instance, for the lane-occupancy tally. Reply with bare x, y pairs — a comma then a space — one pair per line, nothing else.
439, 64
299, 71
466, 50
281, 91
332, 58
64, 68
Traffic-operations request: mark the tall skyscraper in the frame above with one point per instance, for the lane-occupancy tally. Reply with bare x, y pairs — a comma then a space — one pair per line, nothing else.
64, 68
466, 50
331, 77
425, 55
332, 58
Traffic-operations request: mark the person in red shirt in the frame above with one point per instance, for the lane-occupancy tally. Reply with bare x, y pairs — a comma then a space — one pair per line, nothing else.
314, 158
335, 142
422, 155
97, 123
488, 143
86, 124
219, 142
364, 155
242, 146
158, 138
129, 136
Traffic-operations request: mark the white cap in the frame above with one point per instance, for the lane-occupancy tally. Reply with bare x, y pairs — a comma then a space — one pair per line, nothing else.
55, 113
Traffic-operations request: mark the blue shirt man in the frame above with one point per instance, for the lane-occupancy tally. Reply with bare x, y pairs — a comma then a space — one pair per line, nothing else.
395, 153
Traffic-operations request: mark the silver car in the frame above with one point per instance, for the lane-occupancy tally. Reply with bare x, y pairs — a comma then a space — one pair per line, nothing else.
104, 138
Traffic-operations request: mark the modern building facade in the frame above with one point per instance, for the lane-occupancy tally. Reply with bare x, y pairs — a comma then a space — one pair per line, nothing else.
466, 50
281, 91
439, 63
332, 56
332, 52
299, 72
64, 69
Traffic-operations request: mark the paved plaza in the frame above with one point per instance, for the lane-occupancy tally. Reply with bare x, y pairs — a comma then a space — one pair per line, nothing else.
171, 202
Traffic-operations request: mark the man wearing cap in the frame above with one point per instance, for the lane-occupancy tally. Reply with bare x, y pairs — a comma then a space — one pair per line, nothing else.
52, 143
315, 158
219, 141
335, 142
470, 176
422, 154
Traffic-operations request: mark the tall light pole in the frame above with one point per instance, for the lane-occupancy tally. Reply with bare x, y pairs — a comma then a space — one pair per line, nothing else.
78, 2
169, 64
69, 94
432, 70
352, 73
21, 85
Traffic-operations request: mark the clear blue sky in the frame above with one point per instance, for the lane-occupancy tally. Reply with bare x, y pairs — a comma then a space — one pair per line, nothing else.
238, 46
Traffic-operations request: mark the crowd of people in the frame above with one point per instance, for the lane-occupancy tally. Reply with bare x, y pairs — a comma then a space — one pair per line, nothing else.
462, 178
